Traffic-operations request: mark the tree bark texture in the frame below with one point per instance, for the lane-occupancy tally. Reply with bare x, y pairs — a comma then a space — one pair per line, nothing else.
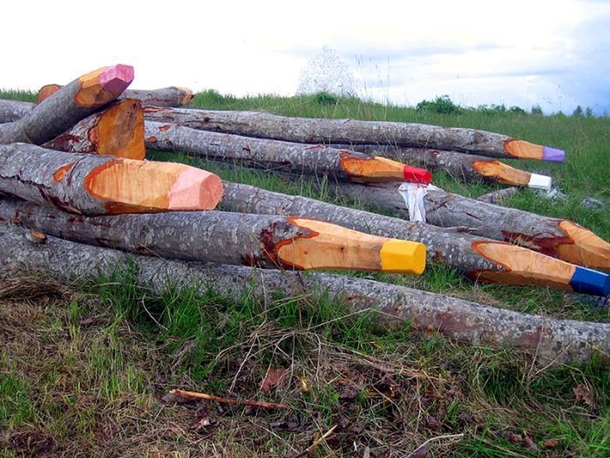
231, 238
553, 341
77, 100
279, 155
461, 166
13, 110
164, 97
499, 196
555, 237
479, 258
96, 185
325, 131
115, 131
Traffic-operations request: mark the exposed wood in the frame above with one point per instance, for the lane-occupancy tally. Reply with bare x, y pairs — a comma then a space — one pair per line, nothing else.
464, 167
115, 131
555, 237
553, 341
13, 110
165, 97
480, 258
79, 99
97, 185
499, 196
278, 155
230, 238
325, 131
191, 395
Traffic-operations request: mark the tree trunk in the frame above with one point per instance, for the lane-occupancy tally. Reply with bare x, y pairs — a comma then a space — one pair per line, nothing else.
97, 185
307, 130
463, 167
165, 97
480, 258
115, 131
230, 238
555, 237
283, 156
13, 110
552, 341
79, 99
499, 196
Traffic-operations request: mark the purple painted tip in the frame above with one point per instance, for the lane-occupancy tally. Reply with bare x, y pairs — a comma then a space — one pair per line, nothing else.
553, 155
116, 78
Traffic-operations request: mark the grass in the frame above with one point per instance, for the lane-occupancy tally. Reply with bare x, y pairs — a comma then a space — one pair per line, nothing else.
84, 367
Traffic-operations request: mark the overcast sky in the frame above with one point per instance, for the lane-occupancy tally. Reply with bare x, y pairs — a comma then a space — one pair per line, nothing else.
552, 53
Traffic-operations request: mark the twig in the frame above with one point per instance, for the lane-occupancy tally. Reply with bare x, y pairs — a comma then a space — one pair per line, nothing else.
316, 443
209, 397
432, 439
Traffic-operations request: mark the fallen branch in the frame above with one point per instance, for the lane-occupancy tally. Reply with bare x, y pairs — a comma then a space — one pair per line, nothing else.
175, 395
325, 131
97, 185
315, 443
554, 341
79, 99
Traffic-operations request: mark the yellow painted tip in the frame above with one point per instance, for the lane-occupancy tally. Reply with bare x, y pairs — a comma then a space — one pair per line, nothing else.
402, 256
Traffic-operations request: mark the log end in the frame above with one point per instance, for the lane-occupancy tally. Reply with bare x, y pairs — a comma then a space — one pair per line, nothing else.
188, 95
120, 131
588, 281
46, 91
401, 256
520, 149
103, 85
195, 189
499, 172
583, 247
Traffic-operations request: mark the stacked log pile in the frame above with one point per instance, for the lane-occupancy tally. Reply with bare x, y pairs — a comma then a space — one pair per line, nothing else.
73, 167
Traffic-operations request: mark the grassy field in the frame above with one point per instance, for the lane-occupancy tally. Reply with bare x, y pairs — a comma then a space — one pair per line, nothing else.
84, 367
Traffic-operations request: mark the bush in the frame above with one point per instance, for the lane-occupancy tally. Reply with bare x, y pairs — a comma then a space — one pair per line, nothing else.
442, 105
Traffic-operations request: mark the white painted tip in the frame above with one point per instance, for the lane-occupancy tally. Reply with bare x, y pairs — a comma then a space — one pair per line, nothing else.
540, 182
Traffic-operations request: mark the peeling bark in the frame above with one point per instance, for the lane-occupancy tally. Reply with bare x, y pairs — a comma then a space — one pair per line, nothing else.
79, 99
97, 185
555, 237
278, 155
552, 341
230, 238
325, 131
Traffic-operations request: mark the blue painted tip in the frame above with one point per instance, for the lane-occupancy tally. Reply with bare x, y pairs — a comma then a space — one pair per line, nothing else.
589, 281
553, 155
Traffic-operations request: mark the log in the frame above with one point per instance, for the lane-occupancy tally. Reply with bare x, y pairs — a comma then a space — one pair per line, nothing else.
96, 185
551, 341
278, 155
498, 196
230, 238
115, 131
463, 167
165, 97
309, 130
13, 110
79, 99
479, 258
555, 237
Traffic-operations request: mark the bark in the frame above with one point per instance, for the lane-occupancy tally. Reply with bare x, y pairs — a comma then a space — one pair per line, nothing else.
165, 97
555, 237
278, 155
230, 238
463, 167
13, 110
308, 130
499, 196
553, 341
115, 131
77, 100
96, 185
479, 258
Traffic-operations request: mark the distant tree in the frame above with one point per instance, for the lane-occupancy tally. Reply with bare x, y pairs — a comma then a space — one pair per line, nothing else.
536, 110
578, 112
327, 73
589, 112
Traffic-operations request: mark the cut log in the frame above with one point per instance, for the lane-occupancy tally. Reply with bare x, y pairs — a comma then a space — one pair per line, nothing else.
463, 167
551, 341
115, 131
13, 110
479, 258
555, 237
499, 196
278, 155
325, 131
230, 238
79, 99
97, 185
165, 97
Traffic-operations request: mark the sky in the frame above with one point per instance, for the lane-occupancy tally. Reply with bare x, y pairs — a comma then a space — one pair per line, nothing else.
555, 54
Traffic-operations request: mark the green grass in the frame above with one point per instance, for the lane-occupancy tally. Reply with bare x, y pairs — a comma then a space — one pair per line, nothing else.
84, 367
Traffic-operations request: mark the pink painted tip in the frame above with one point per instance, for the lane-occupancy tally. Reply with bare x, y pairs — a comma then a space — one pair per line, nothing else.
417, 175
195, 189
115, 79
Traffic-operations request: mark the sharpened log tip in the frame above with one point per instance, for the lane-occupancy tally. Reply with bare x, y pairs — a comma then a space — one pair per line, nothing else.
398, 255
